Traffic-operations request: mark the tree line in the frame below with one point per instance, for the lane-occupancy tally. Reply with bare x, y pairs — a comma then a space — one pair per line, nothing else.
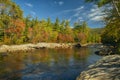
16, 29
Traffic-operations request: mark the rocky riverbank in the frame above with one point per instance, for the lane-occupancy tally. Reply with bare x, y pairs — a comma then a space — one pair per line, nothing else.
104, 50
31, 47
108, 68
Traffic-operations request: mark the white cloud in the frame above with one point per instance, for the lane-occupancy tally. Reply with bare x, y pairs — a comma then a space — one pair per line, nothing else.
96, 14
97, 18
59, 3
29, 4
77, 14
76, 11
80, 18
79, 8
33, 13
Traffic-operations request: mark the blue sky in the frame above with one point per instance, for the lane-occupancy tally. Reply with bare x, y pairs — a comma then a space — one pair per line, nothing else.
72, 10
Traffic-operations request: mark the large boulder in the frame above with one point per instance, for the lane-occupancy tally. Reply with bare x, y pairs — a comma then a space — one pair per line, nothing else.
108, 68
104, 50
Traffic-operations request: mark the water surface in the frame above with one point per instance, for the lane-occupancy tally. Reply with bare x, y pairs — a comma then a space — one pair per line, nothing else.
46, 64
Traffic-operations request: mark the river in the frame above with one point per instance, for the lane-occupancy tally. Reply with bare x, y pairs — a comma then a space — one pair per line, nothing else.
46, 64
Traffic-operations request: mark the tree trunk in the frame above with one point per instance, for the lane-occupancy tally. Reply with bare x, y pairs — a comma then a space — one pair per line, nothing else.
116, 8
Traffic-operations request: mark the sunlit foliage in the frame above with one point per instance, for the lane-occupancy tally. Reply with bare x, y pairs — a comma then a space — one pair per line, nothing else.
111, 33
16, 29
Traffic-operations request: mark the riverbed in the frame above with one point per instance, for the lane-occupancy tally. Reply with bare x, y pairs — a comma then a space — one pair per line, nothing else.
47, 64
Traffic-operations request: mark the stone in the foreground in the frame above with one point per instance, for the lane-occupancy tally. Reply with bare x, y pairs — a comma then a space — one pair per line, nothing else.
108, 68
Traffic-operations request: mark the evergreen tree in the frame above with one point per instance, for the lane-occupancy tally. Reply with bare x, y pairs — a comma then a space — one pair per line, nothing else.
57, 25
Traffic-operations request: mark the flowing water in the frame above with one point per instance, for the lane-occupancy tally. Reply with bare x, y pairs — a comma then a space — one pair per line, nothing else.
46, 64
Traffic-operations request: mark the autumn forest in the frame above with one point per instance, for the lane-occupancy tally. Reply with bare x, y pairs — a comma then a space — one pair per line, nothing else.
17, 29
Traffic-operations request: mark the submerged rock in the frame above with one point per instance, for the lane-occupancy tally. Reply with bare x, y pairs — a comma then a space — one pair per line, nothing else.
108, 68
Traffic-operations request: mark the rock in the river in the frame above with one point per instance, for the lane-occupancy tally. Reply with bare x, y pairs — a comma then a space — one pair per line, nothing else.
108, 68
77, 45
105, 50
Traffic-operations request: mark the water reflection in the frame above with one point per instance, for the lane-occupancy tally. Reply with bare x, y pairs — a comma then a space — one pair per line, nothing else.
46, 64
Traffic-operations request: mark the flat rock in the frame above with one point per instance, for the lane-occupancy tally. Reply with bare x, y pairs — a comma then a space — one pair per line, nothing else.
107, 68
31, 47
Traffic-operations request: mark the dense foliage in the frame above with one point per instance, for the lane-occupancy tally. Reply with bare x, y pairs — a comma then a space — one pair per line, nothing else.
111, 33
16, 29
